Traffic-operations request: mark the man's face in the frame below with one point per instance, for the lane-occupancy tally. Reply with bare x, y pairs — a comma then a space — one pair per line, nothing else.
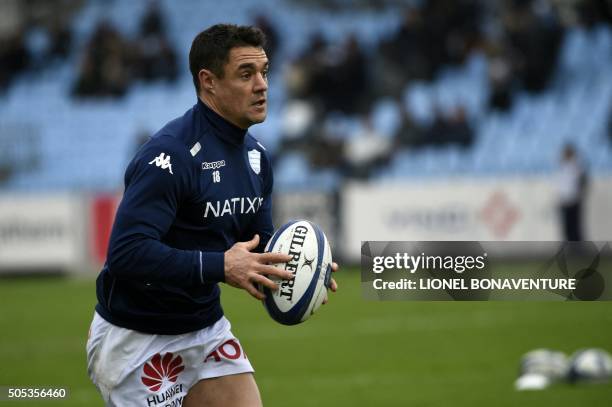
241, 95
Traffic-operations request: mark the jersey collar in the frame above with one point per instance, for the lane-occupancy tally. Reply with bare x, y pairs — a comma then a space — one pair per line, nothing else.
221, 127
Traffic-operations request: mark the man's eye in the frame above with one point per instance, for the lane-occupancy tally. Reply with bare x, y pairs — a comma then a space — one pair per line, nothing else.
264, 74
246, 76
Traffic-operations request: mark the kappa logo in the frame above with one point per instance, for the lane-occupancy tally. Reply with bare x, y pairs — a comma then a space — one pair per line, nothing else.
213, 165
161, 369
162, 161
255, 160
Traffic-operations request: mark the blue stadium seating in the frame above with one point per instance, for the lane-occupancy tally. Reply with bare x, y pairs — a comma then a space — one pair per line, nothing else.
86, 144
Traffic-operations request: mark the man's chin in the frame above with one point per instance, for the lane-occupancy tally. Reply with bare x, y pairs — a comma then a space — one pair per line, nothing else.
258, 118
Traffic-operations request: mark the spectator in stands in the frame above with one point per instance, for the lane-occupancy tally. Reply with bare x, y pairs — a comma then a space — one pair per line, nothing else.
49, 39
60, 37
438, 32
14, 58
593, 12
307, 75
366, 150
455, 24
272, 40
155, 57
331, 80
500, 79
459, 130
409, 134
111, 62
403, 54
535, 35
152, 23
104, 70
33, 36
572, 186
436, 133
452, 29
348, 85
297, 125
451, 129
324, 151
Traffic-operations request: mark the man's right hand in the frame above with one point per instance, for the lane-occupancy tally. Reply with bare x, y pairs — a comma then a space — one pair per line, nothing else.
244, 269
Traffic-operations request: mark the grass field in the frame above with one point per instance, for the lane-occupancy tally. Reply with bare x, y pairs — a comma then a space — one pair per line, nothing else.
352, 353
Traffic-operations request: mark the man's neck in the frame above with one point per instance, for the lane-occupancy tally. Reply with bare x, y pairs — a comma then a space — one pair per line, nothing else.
210, 102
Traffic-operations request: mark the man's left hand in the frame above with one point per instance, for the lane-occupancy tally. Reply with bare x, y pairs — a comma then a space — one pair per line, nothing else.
333, 285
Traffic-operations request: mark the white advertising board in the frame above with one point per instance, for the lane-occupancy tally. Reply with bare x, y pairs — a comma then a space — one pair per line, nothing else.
40, 232
317, 207
517, 209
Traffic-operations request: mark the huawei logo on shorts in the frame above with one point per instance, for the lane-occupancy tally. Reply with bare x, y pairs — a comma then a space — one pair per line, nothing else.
160, 368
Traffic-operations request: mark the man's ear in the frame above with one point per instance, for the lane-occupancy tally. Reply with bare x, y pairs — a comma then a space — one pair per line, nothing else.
207, 81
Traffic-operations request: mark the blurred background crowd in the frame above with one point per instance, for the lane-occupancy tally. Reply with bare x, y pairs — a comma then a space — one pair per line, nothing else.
368, 89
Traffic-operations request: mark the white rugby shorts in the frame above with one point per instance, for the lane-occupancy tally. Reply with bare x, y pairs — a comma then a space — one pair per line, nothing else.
131, 368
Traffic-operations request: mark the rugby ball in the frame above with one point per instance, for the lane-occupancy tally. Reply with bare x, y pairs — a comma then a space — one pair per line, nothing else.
590, 365
540, 368
296, 300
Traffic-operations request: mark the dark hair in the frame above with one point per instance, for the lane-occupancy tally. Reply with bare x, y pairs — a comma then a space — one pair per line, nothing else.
569, 151
210, 49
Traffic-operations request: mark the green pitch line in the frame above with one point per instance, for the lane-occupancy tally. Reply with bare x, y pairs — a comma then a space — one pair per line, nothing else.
351, 353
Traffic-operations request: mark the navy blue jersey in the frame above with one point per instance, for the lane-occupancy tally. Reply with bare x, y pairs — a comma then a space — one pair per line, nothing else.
197, 187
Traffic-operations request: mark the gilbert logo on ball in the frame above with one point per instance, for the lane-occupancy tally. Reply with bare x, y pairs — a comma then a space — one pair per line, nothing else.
296, 300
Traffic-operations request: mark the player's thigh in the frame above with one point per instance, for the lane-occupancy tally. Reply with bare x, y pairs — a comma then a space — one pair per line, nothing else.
239, 390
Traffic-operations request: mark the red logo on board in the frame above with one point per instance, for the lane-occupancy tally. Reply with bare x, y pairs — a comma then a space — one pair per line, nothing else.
500, 214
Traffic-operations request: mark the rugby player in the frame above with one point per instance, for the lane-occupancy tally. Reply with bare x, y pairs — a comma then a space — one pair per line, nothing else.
196, 211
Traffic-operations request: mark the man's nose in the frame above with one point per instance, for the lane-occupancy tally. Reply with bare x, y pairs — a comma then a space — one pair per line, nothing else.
261, 84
